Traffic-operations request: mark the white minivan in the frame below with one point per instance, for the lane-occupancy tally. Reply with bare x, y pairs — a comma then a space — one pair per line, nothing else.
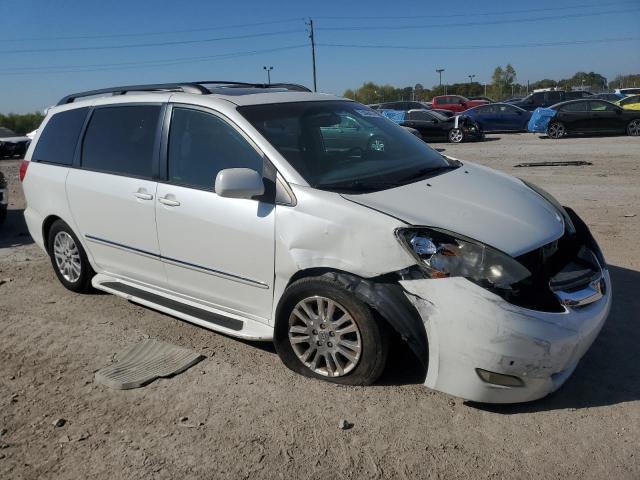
268, 212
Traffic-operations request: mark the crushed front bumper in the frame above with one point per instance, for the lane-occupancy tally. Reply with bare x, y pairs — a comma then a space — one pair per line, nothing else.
470, 328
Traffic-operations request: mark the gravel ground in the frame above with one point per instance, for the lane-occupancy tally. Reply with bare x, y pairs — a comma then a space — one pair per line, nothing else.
240, 413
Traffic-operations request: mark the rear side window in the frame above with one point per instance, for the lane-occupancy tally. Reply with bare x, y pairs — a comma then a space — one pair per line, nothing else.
201, 144
57, 142
575, 107
121, 140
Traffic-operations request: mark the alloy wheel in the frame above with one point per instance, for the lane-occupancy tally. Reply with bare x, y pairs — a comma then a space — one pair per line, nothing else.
634, 128
324, 336
456, 135
556, 130
67, 257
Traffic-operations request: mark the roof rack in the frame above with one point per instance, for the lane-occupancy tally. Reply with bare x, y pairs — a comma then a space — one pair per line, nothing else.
186, 87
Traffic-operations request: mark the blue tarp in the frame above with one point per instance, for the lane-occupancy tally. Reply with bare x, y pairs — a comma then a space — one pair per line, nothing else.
396, 116
540, 119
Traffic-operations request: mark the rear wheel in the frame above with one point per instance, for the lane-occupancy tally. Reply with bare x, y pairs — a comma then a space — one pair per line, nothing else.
69, 259
556, 130
325, 332
456, 135
633, 128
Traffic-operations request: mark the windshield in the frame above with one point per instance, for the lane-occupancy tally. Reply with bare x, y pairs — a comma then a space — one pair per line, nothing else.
344, 146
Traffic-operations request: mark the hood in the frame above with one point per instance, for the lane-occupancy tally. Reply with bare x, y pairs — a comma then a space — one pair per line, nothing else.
476, 202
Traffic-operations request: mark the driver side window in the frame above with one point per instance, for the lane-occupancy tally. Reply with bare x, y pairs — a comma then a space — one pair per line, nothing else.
202, 144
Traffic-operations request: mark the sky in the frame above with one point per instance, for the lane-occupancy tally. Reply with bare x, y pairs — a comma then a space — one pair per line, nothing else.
51, 48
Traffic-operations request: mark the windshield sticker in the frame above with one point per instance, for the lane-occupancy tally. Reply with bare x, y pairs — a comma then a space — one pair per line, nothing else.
368, 113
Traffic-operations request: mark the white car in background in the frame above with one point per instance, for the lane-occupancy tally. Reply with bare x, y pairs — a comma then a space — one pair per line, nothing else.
244, 209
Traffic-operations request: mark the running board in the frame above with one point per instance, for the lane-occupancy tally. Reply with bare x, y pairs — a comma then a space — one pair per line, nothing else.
166, 303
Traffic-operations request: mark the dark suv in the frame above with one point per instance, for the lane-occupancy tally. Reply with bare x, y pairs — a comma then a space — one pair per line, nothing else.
548, 98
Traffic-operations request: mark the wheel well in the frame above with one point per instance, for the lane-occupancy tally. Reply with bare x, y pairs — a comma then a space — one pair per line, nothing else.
46, 226
384, 296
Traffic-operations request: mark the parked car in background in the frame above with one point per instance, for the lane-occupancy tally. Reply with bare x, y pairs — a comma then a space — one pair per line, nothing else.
455, 103
434, 126
446, 113
4, 198
11, 144
630, 103
584, 117
499, 117
547, 98
610, 97
401, 105
512, 99
628, 91
486, 99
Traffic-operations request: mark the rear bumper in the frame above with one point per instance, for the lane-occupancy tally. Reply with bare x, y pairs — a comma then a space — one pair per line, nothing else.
469, 328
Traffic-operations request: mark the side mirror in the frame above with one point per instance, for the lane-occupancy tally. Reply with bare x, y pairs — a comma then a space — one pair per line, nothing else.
239, 183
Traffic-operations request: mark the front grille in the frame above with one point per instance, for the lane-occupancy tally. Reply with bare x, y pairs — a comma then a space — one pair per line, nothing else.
568, 263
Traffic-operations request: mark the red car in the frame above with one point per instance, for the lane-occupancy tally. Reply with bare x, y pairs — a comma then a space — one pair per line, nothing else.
455, 103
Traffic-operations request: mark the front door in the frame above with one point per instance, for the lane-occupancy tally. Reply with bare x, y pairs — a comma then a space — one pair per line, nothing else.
217, 250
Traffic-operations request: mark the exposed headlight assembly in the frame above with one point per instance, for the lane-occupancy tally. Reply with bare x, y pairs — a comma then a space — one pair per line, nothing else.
442, 254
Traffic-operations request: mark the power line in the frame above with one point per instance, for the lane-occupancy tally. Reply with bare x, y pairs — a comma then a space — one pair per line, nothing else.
470, 24
144, 34
154, 44
477, 13
156, 63
480, 47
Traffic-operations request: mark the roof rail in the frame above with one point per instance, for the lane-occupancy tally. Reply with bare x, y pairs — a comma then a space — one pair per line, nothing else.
180, 87
186, 87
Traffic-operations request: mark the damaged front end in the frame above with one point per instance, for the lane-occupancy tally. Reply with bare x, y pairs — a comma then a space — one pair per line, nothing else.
498, 335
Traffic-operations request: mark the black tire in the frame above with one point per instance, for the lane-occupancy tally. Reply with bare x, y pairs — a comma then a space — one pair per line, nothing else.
633, 129
556, 130
83, 282
456, 135
373, 337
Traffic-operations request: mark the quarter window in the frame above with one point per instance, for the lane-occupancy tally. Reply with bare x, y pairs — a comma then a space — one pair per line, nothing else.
202, 144
601, 107
121, 140
57, 143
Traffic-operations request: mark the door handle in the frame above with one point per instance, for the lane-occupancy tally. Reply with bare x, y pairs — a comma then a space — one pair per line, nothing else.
169, 200
143, 195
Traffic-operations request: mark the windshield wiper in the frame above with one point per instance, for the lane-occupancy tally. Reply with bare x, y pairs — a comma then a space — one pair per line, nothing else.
358, 185
425, 172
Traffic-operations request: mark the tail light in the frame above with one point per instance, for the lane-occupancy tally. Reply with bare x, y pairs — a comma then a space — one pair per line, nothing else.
23, 169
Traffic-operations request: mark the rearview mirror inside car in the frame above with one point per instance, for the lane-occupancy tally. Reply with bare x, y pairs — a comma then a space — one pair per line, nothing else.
239, 183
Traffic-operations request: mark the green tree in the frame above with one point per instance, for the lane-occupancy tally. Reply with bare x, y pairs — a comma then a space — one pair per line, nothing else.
21, 123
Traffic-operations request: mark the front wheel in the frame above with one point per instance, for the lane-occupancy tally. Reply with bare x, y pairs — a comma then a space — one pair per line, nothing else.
69, 259
556, 130
456, 135
325, 332
633, 129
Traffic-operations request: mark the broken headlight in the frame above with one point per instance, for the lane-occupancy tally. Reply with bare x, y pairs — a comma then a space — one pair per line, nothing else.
442, 254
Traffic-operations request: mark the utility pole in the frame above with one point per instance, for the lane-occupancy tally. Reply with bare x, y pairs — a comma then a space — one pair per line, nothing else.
313, 53
485, 89
471, 78
268, 69
439, 72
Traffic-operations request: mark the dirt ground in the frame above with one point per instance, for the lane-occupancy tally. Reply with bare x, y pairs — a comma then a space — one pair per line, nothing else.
247, 416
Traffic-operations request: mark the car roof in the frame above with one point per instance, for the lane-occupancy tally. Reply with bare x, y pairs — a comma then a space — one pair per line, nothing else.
580, 100
238, 93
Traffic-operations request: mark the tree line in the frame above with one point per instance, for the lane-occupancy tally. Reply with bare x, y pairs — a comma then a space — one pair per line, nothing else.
503, 85
21, 124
